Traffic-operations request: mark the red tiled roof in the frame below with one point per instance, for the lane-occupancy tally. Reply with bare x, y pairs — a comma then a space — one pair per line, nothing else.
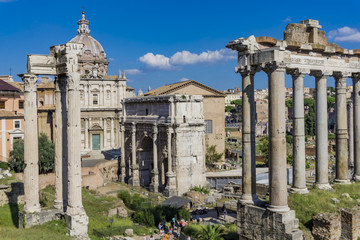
4, 86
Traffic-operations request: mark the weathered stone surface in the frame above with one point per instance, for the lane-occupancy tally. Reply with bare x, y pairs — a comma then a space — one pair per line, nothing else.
335, 200
112, 212
326, 226
122, 212
27, 220
350, 223
259, 223
129, 232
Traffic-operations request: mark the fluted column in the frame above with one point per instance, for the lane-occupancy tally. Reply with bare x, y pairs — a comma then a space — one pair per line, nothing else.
299, 171
170, 189
134, 180
248, 138
31, 152
122, 149
277, 141
356, 102
322, 175
341, 129
350, 122
154, 186
58, 203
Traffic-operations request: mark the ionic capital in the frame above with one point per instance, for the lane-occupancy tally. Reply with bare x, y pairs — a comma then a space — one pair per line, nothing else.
270, 67
73, 81
341, 75
29, 82
355, 76
297, 72
318, 74
155, 129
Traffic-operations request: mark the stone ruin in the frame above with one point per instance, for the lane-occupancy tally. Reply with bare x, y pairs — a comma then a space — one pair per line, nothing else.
63, 64
303, 51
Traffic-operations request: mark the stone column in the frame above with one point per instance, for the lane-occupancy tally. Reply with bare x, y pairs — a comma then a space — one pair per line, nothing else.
89, 102
154, 186
86, 130
277, 141
31, 152
170, 189
112, 134
122, 149
134, 179
341, 129
322, 175
86, 95
299, 171
356, 102
105, 132
104, 95
248, 139
350, 121
58, 203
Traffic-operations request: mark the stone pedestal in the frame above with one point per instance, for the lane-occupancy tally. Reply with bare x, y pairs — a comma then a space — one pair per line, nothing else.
78, 225
260, 223
170, 189
134, 180
27, 220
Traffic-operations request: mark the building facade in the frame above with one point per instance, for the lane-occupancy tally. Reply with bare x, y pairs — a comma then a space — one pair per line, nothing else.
163, 143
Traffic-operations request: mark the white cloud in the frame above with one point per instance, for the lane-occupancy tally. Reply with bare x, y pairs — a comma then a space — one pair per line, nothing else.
184, 79
133, 71
287, 19
110, 59
157, 61
345, 34
183, 58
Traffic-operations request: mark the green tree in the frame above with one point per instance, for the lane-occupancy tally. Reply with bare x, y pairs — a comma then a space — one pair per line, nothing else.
237, 102
212, 156
289, 103
211, 232
264, 148
330, 102
16, 162
310, 124
46, 155
229, 108
310, 103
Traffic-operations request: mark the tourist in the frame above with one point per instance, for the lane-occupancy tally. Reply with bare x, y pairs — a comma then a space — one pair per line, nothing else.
191, 218
198, 218
224, 213
152, 237
218, 212
162, 233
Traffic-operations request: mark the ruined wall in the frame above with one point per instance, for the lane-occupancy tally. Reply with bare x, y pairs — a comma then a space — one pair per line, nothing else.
326, 226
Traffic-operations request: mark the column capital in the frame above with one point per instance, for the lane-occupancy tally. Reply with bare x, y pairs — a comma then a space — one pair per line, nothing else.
73, 80
133, 127
297, 72
320, 73
355, 76
122, 128
341, 75
246, 70
155, 129
169, 130
270, 67
29, 82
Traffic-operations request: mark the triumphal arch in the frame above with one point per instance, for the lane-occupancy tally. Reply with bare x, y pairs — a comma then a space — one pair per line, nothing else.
63, 64
303, 51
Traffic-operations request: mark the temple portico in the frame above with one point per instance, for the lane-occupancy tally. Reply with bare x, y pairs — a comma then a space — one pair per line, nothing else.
304, 51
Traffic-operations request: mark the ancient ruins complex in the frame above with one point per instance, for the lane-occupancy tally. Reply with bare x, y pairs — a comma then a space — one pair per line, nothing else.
304, 50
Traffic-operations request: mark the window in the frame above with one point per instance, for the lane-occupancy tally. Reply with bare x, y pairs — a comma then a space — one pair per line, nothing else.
2, 104
208, 126
17, 124
95, 99
21, 104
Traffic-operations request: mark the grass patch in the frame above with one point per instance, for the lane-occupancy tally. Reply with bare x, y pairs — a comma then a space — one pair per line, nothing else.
317, 201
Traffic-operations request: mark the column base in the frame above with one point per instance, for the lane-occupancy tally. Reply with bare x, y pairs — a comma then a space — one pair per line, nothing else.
278, 209
254, 222
32, 209
357, 177
78, 225
339, 181
323, 186
134, 179
59, 205
299, 190
122, 175
249, 199
154, 187
170, 189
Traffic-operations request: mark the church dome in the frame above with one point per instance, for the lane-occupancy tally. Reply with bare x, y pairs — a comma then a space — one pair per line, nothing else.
84, 37
92, 60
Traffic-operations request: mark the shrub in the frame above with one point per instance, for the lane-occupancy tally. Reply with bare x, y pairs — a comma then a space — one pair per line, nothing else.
201, 189
184, 214
136, 202
139, 217
4, 165
125, 197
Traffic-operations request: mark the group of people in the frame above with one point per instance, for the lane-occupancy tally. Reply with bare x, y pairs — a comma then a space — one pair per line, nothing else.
173, 231
223, 210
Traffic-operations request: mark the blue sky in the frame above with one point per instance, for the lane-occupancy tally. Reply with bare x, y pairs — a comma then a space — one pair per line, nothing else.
162, 42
